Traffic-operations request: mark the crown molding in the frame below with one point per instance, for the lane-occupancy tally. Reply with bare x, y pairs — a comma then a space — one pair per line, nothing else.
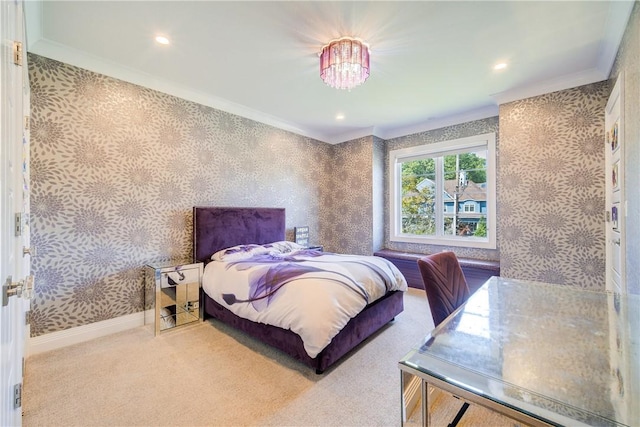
567, 81
93, 63
33, 22
351, 135
619, 11
89, 62
440, 122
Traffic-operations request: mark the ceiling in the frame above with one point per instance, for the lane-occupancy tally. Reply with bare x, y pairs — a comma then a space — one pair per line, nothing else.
431, 61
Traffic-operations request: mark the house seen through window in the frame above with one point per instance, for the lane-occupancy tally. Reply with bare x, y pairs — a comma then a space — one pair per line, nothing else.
444, 193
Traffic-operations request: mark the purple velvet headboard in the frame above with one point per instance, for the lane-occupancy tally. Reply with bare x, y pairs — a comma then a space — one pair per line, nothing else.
219, 228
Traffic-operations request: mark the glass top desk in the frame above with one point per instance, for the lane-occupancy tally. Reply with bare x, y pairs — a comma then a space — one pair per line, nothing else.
538, 353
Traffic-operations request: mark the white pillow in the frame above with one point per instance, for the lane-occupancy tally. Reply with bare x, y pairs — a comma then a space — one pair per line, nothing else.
239, 252
284, 247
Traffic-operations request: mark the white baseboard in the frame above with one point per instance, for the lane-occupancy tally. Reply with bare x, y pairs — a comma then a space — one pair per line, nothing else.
83, 333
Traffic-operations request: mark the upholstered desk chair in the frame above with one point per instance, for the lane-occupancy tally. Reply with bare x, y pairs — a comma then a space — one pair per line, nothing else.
444, 284
446, 289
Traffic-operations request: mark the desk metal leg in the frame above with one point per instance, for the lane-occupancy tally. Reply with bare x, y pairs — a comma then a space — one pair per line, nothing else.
459, 415
426, 416
425, 403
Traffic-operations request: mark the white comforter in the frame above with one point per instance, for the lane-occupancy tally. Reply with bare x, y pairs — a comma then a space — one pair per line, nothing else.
314, 294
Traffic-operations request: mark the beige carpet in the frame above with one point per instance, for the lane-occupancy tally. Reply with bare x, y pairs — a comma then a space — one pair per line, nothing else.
211, 375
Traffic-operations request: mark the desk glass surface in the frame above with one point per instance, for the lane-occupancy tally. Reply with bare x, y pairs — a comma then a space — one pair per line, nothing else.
560, 353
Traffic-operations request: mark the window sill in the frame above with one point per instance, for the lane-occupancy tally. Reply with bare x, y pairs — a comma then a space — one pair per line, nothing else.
468, 242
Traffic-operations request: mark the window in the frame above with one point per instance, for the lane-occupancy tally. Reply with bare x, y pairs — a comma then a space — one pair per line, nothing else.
445, 193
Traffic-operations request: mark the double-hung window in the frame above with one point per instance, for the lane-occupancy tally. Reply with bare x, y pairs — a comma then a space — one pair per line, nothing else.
445, 193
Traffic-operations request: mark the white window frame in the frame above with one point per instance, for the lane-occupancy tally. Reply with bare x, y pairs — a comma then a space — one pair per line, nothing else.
397, 157
469, 207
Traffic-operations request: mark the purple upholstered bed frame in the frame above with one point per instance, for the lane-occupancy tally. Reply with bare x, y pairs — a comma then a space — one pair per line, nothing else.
216, 228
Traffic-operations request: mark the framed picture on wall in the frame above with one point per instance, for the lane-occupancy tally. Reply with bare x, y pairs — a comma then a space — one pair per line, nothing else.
614, 217
614, 137
615, 177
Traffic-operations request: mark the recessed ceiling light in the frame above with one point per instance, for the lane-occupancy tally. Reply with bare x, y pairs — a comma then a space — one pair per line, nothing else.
162, 40
500, 66
340, 117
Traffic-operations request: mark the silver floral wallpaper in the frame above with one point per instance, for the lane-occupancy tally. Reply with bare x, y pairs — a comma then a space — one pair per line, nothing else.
550, 190
116, 169
551, 187
352, 217
379, 180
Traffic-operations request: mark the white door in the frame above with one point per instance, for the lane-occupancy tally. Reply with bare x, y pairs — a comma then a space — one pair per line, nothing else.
14, 204
614, 196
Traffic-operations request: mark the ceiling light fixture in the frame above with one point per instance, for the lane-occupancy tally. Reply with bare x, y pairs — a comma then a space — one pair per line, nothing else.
344, 63
500, 66
162, 40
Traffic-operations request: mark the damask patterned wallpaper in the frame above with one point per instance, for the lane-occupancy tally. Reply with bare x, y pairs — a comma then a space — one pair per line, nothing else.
116, 169
551, 187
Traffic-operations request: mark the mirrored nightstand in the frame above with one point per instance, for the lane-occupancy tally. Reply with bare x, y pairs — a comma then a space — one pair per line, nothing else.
172, 294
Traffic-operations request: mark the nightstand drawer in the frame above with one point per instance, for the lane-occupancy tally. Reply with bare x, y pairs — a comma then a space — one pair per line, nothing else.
173, 278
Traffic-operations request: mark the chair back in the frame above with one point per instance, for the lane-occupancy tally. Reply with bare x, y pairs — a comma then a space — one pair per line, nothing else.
444, 283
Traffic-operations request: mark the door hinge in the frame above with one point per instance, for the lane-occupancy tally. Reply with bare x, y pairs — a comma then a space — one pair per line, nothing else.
607, 216
17, 396
26, 123
17, 53
18, 224
23, 288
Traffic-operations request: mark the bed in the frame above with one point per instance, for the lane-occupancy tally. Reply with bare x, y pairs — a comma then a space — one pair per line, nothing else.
217, 228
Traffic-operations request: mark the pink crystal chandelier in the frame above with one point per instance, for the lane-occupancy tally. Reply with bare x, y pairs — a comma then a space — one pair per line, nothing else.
344, 63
